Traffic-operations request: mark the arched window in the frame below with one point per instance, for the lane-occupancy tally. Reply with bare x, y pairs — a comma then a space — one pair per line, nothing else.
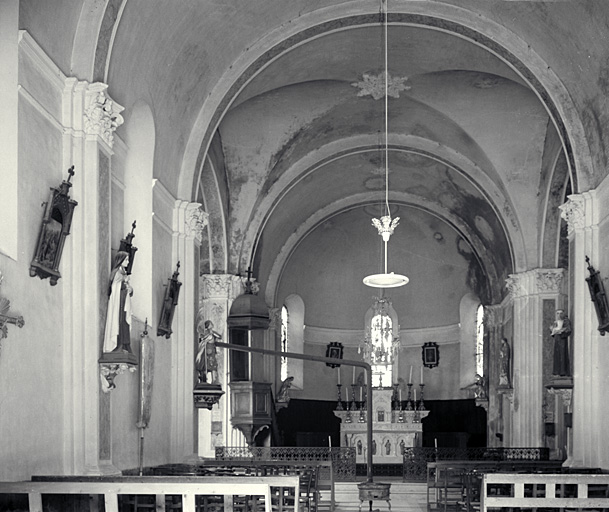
284, 342
480, 341
381, 341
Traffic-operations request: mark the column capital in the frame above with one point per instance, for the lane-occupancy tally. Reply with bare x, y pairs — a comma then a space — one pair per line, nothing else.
220, 286
102, 114
574, 212
189, 219
536, 281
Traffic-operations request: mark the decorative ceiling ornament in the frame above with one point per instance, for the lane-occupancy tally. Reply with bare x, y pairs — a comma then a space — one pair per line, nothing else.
374, 86
386, 224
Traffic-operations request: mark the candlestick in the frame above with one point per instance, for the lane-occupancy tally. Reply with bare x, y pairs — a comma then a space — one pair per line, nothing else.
421, 403
410, 378
408, 400
339, 403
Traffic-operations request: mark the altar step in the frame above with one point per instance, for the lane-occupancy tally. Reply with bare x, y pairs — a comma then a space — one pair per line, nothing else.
405, 497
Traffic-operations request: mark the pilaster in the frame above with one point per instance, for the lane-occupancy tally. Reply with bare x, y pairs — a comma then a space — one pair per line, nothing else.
528, 290
580, 212
89, 119
189, 220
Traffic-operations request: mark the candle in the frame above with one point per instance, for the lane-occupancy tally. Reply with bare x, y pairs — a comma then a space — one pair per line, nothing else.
353, 375
421, 375
435, 442
400, 395
365, 377
330, 441
361, 394
339, 376
410, 378
415, 394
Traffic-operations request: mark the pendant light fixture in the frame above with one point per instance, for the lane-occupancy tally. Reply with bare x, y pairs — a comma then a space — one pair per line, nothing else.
386, 224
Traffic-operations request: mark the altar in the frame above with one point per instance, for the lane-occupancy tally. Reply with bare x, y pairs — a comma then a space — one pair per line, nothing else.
395, 426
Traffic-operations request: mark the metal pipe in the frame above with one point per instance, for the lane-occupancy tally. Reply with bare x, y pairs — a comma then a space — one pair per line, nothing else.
331, 360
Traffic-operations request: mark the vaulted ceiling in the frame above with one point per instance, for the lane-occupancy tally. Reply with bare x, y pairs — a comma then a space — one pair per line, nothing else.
258, 117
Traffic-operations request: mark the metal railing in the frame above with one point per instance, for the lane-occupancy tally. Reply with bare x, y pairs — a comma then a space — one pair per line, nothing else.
416, 458
343, 459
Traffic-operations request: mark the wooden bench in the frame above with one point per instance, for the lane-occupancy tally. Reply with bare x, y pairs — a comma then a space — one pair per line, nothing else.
455, 484
322, 481
557, 491
186, 487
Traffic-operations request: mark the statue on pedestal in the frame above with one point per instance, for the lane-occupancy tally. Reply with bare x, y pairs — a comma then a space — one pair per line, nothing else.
206, 361
561, 330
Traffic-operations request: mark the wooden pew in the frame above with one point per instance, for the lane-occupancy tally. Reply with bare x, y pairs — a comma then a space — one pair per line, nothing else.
186, 487
557, 491
455, 484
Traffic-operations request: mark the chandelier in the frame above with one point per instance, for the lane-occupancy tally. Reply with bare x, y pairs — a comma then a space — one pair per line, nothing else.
380, 344
385, 225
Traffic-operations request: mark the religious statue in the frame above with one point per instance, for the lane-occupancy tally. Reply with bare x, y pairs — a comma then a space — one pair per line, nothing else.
561, 330
117, 333
504, 364
206, 361
282, 394
480, 387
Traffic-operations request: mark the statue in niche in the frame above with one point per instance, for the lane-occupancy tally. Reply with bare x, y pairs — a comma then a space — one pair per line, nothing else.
283, 393
504, 364
117, 333
388, 447
374, 447
402, 446
561, 330
206, 361
359, 446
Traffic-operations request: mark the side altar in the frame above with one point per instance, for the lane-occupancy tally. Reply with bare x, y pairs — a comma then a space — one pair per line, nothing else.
396, 425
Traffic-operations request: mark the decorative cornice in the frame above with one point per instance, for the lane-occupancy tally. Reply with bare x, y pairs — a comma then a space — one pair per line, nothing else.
574, 213
102, 114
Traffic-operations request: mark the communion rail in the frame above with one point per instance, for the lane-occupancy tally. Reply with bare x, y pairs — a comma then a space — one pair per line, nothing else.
160, 487
416, 458
547, 491
343, 459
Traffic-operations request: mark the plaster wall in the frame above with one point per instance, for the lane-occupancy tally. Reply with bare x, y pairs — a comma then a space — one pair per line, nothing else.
31, 362
327, 269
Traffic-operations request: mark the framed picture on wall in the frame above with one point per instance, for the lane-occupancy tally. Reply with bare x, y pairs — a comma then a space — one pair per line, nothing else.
431, 354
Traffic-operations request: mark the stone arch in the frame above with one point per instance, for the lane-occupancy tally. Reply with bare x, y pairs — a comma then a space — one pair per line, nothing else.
464, 23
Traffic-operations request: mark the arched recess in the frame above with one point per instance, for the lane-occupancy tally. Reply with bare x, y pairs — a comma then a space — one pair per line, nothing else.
296, 314
468, 309
140, 140
461, 22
